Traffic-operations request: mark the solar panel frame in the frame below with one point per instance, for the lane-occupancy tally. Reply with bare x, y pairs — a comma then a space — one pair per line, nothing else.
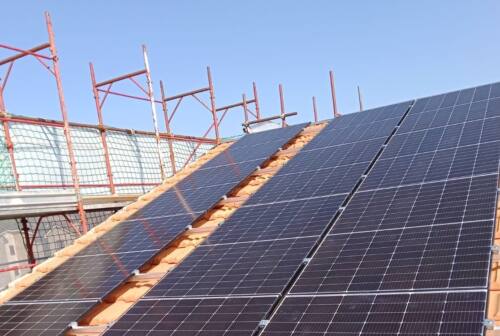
40, 319
84, 278
438, 257
251, 268
237, 316
431, 313
290, 219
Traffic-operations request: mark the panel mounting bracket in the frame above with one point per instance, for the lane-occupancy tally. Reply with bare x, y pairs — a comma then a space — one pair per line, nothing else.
306, 261
491, 328
86, 330
495, 250
263, 323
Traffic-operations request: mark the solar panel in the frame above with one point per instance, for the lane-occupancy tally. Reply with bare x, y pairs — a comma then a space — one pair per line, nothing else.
410, 253
335, 159
209, 316
43, 319
139, 235
453, 201
253, 268
84, 278
100, 267
421, 258
458, 313
205, 186
263, 244
300, 218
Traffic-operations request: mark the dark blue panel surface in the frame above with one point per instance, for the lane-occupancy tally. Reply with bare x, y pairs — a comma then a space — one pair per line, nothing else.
202, 317
139, 235
424, 258
255, 268
84, 278
277, 221
453, 201
46, 319
397, 314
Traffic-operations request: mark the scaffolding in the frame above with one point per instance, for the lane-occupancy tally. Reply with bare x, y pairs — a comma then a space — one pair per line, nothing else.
58, 179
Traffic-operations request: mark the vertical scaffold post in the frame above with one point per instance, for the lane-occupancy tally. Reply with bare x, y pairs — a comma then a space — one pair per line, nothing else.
167, 127
27, 240
334, 97
315, 111
282, 105
256, 98
102, 130
360, 99
245, 110
213, 106
10, 149
153, 110
67, 132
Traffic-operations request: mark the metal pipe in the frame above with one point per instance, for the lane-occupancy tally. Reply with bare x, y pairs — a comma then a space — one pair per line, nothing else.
2, 88
282, 105
227, 107
185, 94
67, 132
286, 115
153, 110
245, 111
360, 99
315, 111
256, 98
167, 127
56, 123
102, 130
212, 105
126, 95
29, 250
10, 149
23, 53
334, 98
120, 78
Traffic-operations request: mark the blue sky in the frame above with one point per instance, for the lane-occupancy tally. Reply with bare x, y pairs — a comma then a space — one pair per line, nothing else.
395, 50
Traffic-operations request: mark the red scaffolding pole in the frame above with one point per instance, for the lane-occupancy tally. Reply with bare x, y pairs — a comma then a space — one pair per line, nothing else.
334, 97
51, 63
104, 87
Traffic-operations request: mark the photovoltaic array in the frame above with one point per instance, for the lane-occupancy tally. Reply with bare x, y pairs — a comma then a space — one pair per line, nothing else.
410, 253
258, 250
381, 225
103, 265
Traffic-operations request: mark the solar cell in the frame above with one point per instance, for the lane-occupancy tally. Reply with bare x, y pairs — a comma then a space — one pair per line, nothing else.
452, 201
139, 235
422, 258
229, 174
464, 149
204, 187
459, 313
175, 201
204, 317
335, 159
253, 268
266, 137
84, 278
278, 221
43, 319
